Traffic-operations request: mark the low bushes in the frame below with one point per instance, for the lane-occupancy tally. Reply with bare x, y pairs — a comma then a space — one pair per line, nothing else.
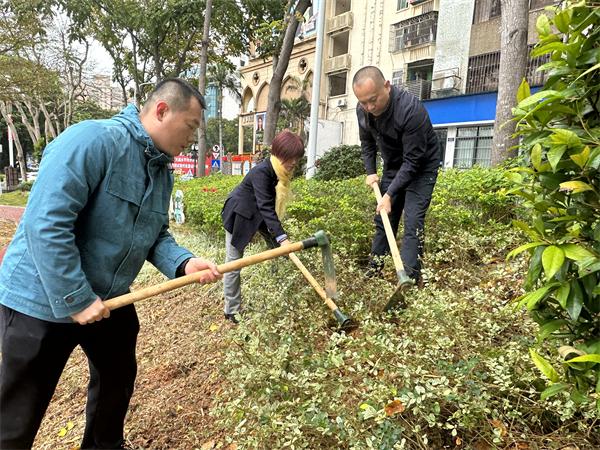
463, 201
451, 371
340, 163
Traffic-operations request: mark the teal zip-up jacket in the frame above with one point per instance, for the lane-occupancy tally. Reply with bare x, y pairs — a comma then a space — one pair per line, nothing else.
97, 211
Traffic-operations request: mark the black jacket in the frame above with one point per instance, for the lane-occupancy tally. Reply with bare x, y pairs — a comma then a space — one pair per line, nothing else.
404, 136
251, 205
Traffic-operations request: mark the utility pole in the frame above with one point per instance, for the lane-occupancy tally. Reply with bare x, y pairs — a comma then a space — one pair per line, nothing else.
316, 94
202, 87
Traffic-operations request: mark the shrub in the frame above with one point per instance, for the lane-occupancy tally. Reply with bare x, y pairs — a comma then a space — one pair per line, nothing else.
339, 163
25, 186
471, 202
560, 127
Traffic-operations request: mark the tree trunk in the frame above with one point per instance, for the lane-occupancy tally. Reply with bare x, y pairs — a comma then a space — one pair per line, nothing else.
202, 88
48, 120
280, 65
6, 110
29, 126
513, 67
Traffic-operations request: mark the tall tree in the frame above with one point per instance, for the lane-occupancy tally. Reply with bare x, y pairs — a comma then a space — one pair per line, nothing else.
284, 34
154, 39
513, 66
223, 76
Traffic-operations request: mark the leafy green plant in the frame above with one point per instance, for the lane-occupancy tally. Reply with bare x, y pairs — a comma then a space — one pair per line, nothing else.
560, 186
341, 162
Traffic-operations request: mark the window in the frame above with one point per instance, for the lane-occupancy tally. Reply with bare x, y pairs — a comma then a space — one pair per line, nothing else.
483, 70
473, 146
337, 83
442, 135
397, 77
486, 10
341, 6
339, 44
402, 4
414, 31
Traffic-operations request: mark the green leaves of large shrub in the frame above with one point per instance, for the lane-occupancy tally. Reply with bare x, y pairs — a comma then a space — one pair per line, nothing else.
339, 163
560, 130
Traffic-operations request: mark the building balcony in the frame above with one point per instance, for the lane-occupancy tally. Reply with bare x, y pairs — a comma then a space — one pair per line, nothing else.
340, 22
338, 63
445, 83
419, 88
424, 6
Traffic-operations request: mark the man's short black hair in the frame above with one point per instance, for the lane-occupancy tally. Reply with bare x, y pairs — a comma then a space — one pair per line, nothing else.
177, 93
368, 72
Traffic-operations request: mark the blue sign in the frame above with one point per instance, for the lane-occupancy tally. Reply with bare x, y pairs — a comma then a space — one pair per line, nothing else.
216, 164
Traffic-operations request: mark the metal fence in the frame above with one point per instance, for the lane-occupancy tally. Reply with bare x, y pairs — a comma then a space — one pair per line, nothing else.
483, 71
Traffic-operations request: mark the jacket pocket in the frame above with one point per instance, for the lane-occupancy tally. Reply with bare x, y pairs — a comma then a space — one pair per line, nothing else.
243, 211
126, 188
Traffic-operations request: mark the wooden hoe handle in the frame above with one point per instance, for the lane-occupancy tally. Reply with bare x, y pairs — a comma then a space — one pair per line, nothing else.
330, 304
176, 283
388, 231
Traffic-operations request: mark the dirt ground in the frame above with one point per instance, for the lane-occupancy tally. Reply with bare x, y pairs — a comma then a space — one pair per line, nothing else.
180, 347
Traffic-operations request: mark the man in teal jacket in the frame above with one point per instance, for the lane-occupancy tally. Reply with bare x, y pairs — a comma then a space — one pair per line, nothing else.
97, 211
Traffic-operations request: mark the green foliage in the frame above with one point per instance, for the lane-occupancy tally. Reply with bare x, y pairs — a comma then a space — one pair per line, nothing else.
38, 148
454, 367
204, 198
230, 134
341, 162
89, 110
25, 187
560, 187
462, 200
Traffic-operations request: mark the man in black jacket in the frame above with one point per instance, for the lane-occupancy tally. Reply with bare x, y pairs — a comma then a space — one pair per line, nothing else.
396, 122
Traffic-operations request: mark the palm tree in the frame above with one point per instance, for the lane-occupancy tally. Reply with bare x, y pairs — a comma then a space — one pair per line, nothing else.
294, 111
224, 76
297, 109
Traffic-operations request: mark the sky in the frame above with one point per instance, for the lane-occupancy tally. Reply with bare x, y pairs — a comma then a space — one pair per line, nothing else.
103, 64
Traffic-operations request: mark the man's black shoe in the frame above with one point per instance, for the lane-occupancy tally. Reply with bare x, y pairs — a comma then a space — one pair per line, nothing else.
232, 318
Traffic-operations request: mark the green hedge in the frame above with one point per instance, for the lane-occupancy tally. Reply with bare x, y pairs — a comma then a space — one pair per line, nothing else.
464, 200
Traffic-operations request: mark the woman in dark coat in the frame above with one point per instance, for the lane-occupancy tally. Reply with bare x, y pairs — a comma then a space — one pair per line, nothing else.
258, 204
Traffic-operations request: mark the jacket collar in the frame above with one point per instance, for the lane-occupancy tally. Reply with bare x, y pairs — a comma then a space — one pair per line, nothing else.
130, 118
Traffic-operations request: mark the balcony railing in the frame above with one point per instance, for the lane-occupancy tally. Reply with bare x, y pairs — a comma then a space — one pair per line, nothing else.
445, 83
414, 31
419, 88
341, 62
484, 70
340, 22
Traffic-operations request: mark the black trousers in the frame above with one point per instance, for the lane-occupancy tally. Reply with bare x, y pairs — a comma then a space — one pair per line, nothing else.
414, 201
34, 354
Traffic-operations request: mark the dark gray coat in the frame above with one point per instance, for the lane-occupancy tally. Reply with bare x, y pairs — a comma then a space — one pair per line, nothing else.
251, 205
404, 136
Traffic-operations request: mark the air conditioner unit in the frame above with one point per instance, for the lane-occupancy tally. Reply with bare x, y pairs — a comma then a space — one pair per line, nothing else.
342, 103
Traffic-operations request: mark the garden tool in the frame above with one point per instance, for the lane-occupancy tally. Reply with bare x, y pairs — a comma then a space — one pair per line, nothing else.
346, 323
404, 281
318, 240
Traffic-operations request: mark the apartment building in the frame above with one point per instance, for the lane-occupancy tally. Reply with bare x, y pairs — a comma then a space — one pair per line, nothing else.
99, 89
445, 52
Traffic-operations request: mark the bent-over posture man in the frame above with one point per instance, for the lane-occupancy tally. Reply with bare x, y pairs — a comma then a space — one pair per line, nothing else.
97, 211
395, 122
